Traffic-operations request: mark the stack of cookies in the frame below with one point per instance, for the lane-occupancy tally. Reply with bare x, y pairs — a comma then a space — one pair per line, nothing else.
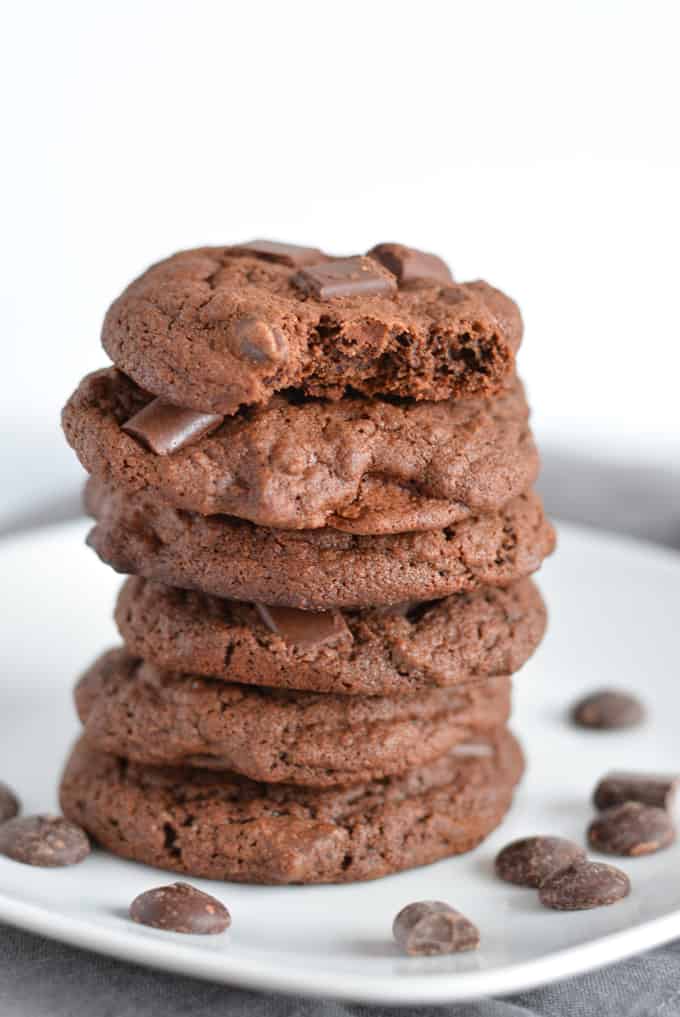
317, 473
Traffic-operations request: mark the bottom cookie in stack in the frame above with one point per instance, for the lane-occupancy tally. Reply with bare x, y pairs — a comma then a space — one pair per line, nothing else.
225, 826
240, 782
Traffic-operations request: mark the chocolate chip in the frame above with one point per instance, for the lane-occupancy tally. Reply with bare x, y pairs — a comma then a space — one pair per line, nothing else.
608, 709
584, 885
303, 628
649, 788
164, 428
631, 829
431, 927
285, 254
48, 841
345, 277
9, 803
180, 907
255, 340
530, 861
408, 264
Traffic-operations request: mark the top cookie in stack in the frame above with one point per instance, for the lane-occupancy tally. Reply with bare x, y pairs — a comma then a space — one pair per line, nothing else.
319, 473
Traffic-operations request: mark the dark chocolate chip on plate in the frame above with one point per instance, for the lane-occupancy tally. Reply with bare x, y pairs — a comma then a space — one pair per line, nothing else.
164, 428
9, 803
584, 885
649, 788
47, 841
531, 860
180, 907
631, 829
431, 927
345, 277
608, 709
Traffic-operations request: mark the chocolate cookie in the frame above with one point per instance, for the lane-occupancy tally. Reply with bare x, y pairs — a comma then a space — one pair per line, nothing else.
461, 639
314, 569
221, 826
134, 710
361, 465
217, 328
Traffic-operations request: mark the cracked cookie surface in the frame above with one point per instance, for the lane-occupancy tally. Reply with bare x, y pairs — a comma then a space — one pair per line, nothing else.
314, 569
216, 328
222, 826
132, 709
359, 465
455, 641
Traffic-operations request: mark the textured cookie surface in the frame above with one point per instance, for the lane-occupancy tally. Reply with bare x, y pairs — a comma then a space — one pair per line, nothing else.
132, 709
217, 328
362, 465
458, 640
314, 569
221, 826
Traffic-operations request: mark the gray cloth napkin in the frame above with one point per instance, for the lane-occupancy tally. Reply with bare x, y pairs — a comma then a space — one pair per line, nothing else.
39, 978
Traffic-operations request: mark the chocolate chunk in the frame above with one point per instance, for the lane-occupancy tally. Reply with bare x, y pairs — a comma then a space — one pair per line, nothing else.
164, 428
180, 907
608, 709
48, 841
345, 277
304, 628
431, 927
649, 788
285, 254
584, 885
255, 340
408, 264
631, 829
532, 860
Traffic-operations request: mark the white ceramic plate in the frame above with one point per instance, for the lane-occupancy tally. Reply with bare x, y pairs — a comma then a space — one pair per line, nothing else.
614, 620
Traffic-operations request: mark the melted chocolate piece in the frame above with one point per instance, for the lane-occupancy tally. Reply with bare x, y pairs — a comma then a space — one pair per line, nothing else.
304, 628
285, 254
409, 264
346, 277
164, 428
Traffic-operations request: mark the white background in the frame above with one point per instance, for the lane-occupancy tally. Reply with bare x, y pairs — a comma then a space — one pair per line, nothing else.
534, 144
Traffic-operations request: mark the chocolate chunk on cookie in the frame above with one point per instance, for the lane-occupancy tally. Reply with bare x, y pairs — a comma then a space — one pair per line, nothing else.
221, 826
359, 465
455, 641
410, 265
218, 328
315, 569
180, 908
132, 709
46, 841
